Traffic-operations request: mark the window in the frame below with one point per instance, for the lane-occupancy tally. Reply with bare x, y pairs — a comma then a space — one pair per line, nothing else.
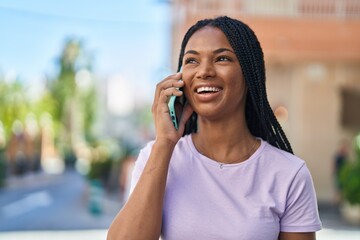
350, 117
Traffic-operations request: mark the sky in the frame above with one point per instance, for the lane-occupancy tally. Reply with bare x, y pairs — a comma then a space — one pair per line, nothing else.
130, 39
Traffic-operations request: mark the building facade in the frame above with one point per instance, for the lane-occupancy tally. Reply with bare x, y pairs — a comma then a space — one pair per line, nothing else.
312, 57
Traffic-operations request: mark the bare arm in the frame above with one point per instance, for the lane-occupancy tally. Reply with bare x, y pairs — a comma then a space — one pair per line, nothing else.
297, 236
141, 216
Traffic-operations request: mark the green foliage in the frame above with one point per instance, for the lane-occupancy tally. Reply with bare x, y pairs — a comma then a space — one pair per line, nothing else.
103, 157
45, 104
350, 177
100, 169
65, 106
89, 116
75, 109
63, 87
14, 104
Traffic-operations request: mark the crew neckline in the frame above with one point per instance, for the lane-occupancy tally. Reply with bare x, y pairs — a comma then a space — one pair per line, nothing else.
219, 165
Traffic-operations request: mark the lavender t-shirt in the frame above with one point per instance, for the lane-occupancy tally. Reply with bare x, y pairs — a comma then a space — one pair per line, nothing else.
270, 192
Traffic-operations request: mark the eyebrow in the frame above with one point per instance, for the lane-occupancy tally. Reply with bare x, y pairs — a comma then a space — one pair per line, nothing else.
217, 51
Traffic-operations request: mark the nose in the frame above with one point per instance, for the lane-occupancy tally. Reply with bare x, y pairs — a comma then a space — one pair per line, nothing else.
205, 71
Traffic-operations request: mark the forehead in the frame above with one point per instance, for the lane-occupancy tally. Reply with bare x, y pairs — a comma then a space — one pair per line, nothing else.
208, 38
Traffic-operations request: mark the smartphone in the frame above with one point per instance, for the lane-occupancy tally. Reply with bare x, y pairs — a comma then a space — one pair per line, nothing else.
172, 111
175, 105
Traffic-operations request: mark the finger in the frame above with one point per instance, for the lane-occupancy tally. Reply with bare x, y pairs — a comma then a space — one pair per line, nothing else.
165, 96
161, 103
169, 84
170, 81
167, 93
162, 107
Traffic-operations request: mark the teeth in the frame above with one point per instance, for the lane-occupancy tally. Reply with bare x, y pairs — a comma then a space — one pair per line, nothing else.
207, 89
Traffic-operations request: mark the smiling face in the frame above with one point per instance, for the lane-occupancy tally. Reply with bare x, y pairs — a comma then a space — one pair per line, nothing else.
214, 83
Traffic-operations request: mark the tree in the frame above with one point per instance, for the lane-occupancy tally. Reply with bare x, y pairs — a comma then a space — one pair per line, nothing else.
14, 104
75, 101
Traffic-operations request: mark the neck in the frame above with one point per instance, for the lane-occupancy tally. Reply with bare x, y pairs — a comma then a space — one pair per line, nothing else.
225, 141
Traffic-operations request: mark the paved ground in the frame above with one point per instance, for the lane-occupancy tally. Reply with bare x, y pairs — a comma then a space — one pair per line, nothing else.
40, 202
85, 225
326, 234
55, 235
334, 226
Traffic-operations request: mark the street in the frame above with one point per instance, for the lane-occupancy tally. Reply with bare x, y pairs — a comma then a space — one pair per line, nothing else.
54, 202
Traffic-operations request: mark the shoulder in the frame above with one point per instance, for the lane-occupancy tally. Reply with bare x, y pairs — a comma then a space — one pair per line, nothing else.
280, 158
145, 152
281, 165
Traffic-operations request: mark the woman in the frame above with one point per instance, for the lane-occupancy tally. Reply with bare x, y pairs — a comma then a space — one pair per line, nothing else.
232, 175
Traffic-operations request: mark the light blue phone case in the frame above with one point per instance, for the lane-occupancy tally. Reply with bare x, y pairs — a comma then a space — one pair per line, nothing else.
171, 105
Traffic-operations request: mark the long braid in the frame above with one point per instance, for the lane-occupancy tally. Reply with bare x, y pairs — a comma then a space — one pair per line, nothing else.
255, 64
260, 118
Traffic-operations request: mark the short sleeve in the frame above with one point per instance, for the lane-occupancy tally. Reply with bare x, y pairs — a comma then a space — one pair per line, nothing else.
301, 213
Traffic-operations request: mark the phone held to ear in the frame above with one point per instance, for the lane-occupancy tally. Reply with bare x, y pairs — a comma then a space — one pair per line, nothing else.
173, 110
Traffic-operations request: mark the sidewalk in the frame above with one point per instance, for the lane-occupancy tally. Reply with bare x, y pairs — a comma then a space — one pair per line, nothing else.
55, 235
76, 223
334, 226
43, 202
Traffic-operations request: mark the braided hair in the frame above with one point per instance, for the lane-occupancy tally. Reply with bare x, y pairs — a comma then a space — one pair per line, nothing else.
260, 118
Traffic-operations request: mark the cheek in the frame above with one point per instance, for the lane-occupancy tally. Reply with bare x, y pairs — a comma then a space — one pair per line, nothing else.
186, 88
240, 84
238, 90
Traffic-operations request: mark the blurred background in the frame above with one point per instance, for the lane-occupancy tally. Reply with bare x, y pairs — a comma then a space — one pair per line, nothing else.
76, 85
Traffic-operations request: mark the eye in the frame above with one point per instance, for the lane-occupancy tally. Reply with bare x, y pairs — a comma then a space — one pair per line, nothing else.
190, 60
223, 59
